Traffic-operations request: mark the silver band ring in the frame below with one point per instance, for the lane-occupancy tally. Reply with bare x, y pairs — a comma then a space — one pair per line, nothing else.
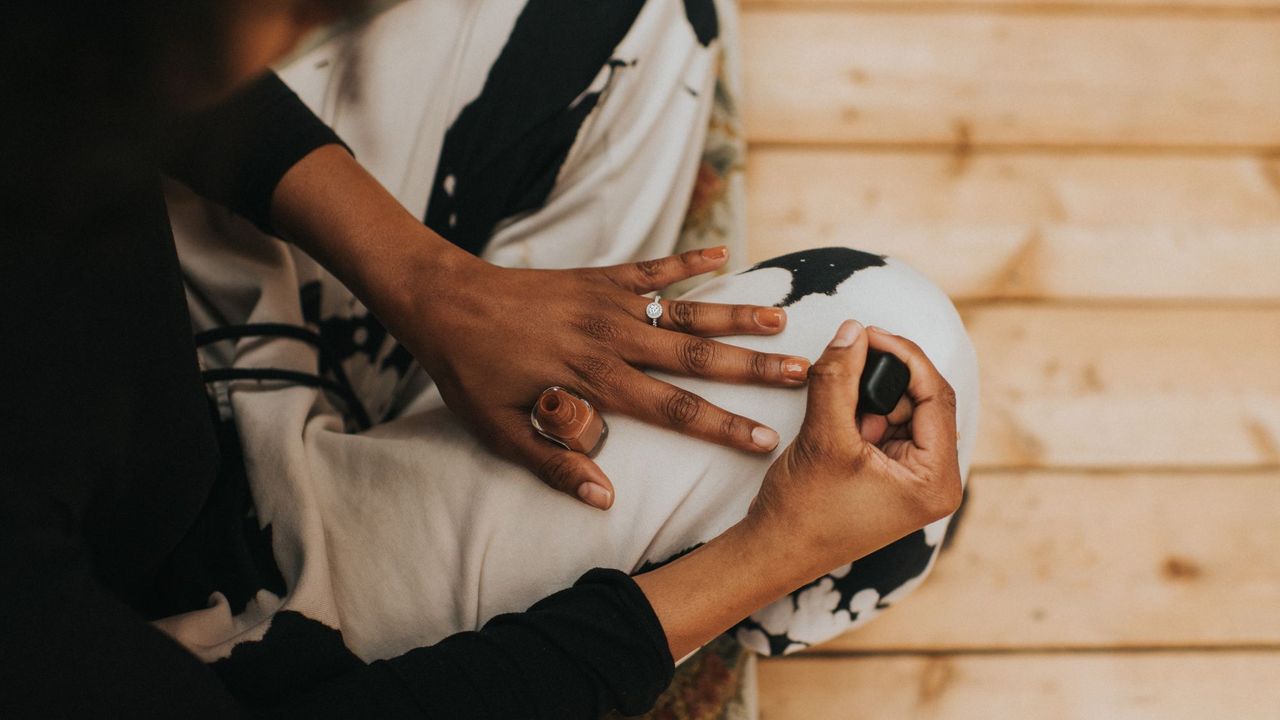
653, 310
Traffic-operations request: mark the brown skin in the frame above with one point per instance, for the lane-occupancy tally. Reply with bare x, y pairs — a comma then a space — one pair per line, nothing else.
830, 498
494, 338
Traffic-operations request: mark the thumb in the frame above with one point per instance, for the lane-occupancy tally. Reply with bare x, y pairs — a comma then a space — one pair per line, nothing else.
833, 383
565, 470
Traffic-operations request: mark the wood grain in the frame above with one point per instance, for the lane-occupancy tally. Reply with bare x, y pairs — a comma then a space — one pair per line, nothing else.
968, 80
1124, 387
1030, 6
1164, 686
1033, 225
1116, 560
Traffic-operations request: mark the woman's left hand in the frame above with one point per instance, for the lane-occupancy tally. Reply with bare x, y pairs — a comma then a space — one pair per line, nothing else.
493, 338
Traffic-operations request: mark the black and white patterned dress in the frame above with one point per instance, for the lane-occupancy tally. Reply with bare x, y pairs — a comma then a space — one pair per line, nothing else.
538, 134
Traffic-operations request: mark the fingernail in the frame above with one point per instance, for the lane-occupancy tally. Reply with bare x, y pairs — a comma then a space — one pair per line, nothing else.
595, 495
770, 318
764, 438
848, 332
715, 253
795, 368
876, 329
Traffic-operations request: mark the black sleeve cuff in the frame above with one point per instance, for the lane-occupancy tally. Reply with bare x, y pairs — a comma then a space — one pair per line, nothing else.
236, 152
591, 648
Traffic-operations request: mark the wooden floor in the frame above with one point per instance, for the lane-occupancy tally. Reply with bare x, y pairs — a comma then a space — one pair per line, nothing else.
1097, 183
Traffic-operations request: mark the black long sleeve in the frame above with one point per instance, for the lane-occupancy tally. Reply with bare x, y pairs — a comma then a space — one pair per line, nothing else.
236, 152
576, 654
107, 457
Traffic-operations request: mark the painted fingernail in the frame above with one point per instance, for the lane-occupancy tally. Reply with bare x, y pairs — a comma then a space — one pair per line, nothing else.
764, 438
595, 495
770, 318
848, 332
715, 253
795, 368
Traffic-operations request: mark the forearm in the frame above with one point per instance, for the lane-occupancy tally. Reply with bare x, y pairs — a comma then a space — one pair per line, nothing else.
704, 593
331, 207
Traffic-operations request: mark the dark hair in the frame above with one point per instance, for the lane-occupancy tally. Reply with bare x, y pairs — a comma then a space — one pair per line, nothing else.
78, 77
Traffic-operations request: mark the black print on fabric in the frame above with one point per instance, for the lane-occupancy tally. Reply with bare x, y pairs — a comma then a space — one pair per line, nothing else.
883, 571
345, 337
287, 660
702, 16
821, 270
502, 155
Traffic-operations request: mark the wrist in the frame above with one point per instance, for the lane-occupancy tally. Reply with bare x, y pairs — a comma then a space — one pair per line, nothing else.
419, 278
780, 551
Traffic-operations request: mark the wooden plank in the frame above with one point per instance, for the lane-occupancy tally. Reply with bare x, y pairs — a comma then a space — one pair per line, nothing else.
1162, 6
1064, 560
1164, 686
1133, 387
965, 79
1033, 225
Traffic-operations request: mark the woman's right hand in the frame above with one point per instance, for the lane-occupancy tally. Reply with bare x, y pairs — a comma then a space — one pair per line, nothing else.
832, 497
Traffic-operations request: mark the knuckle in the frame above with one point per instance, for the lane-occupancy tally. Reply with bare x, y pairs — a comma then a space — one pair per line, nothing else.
681, 408
735, 427
912, 347
940, 496
947, 395
696, 354
828, 370
596, 371
743, 316
649, 268
858, 461
683, 315
761, 366
599, 329
557, 471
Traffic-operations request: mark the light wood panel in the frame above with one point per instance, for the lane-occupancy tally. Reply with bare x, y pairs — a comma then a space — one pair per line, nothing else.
1055, 560
1109, 387
966, 79
1018, 225
1161, 686
1163, 6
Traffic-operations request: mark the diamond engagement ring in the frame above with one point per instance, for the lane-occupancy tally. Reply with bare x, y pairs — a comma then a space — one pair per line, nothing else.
653, 310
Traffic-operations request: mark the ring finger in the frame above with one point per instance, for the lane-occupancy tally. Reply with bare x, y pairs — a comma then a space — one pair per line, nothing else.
715, 319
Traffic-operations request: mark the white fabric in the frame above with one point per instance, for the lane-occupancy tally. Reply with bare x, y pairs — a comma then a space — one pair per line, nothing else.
409, 532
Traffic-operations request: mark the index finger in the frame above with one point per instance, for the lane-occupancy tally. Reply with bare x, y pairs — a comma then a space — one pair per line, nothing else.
933, 419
